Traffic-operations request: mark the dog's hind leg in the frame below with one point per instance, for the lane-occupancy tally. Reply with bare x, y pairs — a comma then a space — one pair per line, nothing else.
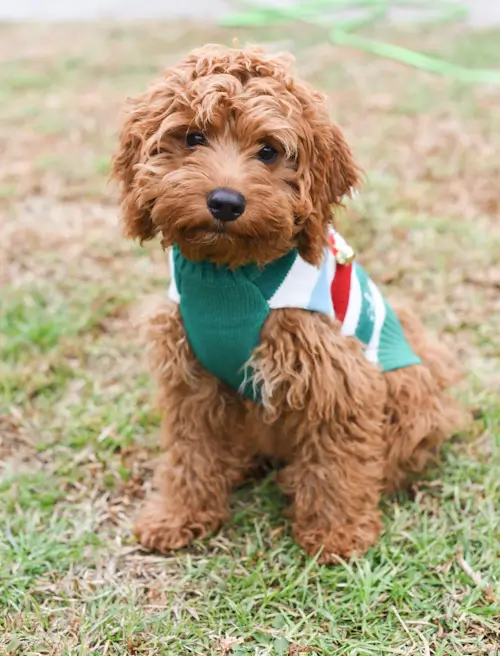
420, 412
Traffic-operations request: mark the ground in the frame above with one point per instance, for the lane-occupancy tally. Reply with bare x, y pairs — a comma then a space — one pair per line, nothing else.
78, 426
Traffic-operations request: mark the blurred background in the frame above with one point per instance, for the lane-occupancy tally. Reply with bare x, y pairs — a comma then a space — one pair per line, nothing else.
479, 12
416, 87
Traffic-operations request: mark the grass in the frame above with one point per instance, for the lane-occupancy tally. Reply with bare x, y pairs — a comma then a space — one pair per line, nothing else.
78, 427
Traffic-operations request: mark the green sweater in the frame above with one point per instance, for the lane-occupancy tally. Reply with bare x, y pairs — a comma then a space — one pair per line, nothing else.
224, 310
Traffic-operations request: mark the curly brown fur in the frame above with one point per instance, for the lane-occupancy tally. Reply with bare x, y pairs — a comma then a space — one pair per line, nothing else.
239, 99
345, 431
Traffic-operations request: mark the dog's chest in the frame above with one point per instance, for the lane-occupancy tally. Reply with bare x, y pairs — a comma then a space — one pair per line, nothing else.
224, 310
223, 319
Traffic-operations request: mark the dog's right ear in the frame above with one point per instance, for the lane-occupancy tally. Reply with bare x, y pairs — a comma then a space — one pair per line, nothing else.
136, 216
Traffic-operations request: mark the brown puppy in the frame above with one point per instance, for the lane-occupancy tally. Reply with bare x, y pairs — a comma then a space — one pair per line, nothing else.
346, 431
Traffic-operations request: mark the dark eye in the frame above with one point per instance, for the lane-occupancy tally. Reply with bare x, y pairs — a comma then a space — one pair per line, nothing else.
194, 139
267, 154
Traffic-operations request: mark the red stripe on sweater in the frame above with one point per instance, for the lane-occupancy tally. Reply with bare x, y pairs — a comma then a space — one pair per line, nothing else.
340, 290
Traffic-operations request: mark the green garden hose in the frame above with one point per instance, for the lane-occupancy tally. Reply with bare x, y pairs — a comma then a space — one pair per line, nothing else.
325, 12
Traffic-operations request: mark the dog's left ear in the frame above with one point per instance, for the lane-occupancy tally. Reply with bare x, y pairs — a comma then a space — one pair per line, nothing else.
330, 175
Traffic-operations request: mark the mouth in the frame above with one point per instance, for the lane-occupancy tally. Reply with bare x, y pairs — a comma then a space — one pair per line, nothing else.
208, 234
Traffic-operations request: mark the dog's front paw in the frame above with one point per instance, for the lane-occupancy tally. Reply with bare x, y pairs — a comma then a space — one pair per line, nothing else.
340, 541
160, 530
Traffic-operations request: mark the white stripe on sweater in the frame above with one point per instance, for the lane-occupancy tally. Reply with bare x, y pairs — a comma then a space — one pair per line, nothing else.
371, 352
321, 296
298, 286
351, 318
173, 292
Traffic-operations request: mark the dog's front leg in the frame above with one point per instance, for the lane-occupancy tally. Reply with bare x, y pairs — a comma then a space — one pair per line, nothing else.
193, 481
203, 457
330, 400
335, 490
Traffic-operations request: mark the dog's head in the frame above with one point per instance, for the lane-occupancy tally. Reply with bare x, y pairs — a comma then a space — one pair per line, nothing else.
233, 159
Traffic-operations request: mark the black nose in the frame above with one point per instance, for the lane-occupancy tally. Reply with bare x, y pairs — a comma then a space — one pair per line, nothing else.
226, 204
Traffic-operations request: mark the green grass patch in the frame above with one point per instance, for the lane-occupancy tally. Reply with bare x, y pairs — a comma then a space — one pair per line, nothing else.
34, 321
40, 538
254, 586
